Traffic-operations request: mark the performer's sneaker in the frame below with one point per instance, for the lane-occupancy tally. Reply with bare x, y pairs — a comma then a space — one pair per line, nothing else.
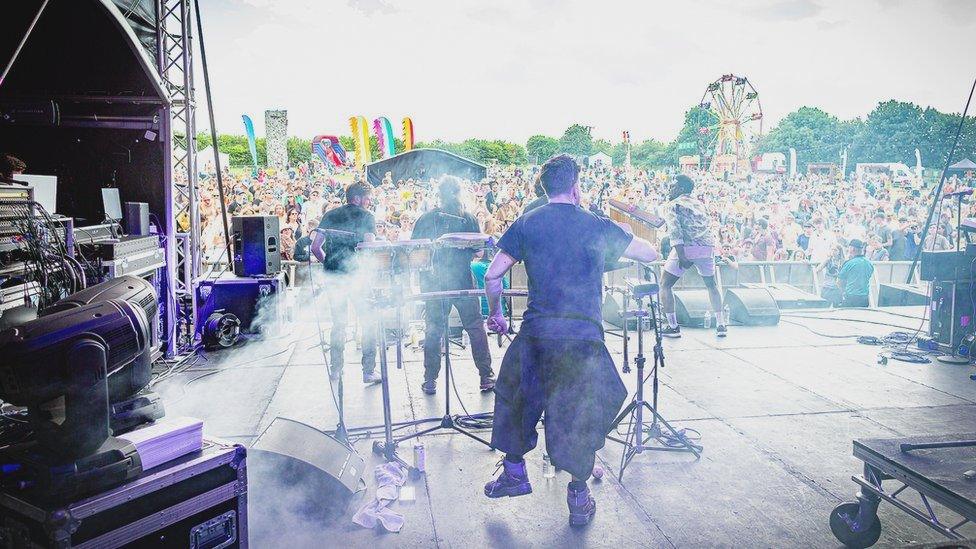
721, 331
371, 378
674, 332
514, 481
487, 383
429, 387
582, 506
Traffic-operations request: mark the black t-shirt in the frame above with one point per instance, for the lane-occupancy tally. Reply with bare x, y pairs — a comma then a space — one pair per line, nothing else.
451, 266
564, 248
539, 201
339, 250
899, 246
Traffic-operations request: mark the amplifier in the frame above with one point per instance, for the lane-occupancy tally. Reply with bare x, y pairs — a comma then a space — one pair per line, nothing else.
946, 265
96, 233
137, 264
119, 248
952, 312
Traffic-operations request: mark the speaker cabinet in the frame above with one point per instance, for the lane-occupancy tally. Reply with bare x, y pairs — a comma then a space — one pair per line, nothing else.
752, 306
135, 216
257, 250
297, 470
691, 307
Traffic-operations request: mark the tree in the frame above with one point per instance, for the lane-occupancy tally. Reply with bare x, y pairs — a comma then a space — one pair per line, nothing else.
687, 141
602, 146
299, 150
649, 154
576, 141
816, 136
540, 148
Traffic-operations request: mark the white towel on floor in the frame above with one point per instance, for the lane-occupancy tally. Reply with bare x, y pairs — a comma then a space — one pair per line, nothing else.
389, 478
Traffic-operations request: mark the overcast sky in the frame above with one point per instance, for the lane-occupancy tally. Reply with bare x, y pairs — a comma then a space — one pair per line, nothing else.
512, 68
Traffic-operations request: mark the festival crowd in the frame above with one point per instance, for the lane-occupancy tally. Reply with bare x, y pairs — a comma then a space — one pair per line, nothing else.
758, 218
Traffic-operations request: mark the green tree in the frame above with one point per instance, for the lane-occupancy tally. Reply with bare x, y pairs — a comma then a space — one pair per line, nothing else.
650, 154
576, 141
299, 150
602, 145
816, 136
540, 148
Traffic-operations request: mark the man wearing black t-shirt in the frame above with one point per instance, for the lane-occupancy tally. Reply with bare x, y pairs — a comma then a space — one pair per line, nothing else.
340, 230
558, 364
451, 271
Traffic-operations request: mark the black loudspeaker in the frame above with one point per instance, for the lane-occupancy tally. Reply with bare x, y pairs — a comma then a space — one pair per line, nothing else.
691, 307
256, 247
135, 218
752, 306
297, 470
895, 294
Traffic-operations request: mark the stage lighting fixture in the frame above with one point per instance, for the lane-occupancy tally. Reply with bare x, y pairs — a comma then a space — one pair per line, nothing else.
57, 367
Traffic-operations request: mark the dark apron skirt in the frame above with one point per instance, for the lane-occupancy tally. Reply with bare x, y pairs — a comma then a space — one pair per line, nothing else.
577, 386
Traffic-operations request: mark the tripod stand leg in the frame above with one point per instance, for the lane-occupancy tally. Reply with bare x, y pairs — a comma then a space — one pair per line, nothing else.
686, 445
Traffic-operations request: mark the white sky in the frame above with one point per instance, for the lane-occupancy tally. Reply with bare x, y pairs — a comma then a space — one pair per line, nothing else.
509, 69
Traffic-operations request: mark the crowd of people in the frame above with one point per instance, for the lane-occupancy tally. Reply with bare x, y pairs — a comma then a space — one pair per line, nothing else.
756, 218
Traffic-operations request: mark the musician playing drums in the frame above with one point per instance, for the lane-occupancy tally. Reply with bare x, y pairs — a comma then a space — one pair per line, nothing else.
558, 364
340, 230
451, 271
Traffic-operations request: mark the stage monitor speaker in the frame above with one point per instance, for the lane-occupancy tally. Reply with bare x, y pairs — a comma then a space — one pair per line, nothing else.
256, 247
752, 306
896, 294
135, 217
691, 307
297, 470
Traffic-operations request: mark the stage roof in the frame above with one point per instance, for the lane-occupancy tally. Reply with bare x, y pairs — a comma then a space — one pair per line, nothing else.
81, 47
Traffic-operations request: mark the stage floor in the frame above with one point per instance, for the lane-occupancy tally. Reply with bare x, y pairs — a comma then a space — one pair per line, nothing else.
777, 408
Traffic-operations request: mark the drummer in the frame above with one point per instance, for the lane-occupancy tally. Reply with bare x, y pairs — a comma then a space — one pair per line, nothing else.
451, 271
340, 230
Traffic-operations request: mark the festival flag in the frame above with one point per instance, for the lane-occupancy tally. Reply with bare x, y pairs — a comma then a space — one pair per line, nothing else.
360, 134
384, 136
407, 133
251, 141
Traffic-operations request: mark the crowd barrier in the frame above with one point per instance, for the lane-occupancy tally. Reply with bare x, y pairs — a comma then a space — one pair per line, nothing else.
799, 274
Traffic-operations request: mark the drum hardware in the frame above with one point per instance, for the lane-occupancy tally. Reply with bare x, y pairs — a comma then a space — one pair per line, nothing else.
641, 436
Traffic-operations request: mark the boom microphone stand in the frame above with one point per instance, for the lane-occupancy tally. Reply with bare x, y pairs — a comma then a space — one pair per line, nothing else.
640, 437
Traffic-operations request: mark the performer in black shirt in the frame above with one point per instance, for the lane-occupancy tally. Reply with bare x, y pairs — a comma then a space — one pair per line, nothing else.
340, 230
558, 364
451, 271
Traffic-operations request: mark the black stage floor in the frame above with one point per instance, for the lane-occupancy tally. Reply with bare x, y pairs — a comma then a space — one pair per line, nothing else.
777, 407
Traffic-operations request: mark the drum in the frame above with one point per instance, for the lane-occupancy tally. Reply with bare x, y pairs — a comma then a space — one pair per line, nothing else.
465, 241
383, 257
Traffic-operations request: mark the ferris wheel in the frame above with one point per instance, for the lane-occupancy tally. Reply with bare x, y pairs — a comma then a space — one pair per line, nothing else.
729, 120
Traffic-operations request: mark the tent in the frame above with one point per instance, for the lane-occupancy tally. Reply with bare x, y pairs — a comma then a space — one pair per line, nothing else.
964, 165
205, 159
425, 164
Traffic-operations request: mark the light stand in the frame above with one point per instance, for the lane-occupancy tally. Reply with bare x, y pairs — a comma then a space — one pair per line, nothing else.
639, 438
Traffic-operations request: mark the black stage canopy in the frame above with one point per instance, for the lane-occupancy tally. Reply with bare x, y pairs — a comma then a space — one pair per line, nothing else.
86, 69
424, 164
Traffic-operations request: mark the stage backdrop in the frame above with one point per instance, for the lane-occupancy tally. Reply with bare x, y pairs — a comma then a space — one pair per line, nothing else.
425, 164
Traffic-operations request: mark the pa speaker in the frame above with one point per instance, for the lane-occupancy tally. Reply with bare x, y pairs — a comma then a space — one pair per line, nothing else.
135, 217
257, 251
752, 306
691, 307
298, 453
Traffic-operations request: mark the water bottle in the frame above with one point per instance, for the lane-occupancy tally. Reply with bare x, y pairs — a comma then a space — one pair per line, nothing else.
547, 469
707, 321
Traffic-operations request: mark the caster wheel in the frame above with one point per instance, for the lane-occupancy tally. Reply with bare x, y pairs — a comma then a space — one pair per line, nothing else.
842, 524
377, 447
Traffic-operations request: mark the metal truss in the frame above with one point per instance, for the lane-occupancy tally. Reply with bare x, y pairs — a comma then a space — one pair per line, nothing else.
175, 63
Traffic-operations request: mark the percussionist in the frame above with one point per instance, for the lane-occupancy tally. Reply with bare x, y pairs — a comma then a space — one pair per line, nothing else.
451, 271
